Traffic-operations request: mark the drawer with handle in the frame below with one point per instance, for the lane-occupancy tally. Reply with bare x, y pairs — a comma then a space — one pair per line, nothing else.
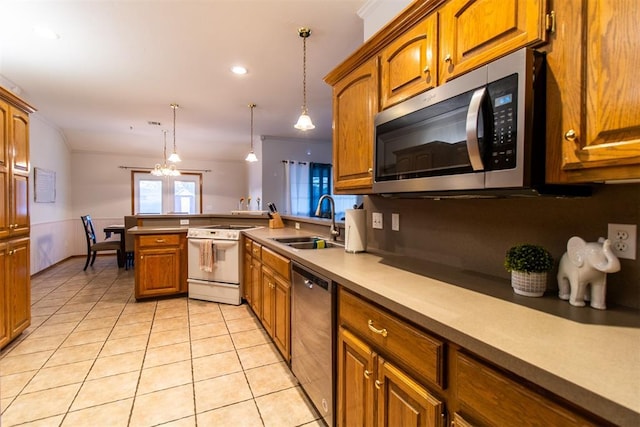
159, 240
417, 350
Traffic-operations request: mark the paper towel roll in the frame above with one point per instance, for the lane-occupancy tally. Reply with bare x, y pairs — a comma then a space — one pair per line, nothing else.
355, 239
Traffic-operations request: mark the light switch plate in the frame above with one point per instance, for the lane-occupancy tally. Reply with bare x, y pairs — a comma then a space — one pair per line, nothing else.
395, 222
377, 220
184, 222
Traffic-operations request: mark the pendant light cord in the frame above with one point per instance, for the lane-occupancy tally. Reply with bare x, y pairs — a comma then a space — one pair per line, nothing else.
304, 73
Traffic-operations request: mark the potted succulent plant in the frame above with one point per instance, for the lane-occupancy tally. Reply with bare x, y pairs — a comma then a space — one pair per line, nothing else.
528, 265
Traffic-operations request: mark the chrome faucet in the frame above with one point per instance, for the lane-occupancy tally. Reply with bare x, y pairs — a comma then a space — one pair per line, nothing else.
334, 231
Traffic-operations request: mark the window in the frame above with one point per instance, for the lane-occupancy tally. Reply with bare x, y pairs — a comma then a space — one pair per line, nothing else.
162, 195
320, 184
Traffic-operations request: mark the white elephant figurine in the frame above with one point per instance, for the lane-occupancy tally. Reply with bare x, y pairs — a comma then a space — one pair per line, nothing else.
584, 267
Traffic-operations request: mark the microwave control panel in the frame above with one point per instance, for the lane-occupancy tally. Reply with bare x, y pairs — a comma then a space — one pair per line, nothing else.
503, 96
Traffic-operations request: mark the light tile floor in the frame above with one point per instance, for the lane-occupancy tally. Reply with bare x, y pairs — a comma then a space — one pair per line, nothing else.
93, 356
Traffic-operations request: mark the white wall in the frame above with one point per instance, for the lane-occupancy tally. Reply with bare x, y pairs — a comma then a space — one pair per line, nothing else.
377, 13
52, 226
275, 150
101, 188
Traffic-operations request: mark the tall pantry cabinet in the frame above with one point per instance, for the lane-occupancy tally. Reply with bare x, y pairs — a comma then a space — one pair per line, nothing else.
15, 282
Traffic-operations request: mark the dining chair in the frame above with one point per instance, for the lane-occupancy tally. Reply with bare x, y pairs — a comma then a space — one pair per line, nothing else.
93, 247
129, 221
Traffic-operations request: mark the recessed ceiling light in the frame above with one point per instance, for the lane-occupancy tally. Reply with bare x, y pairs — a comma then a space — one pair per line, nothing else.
46, 33
238, 69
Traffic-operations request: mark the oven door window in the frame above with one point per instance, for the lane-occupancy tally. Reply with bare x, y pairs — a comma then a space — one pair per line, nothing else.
428, 142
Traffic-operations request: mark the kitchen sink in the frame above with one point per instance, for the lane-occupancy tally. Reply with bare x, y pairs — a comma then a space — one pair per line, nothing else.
306, 242
312, 245
297, 239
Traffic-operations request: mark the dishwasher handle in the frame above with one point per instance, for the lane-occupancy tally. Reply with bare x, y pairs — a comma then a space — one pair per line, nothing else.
311, 278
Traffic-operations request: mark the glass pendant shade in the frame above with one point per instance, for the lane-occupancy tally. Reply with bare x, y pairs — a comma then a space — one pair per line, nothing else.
251, 157
304, 122
174, 158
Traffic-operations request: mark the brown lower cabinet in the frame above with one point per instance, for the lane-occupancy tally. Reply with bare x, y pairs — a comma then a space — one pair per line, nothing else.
268, 279
15, 289
161, 265
393, 373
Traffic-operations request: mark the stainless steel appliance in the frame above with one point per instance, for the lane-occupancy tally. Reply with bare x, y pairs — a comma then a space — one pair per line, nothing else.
482, 130
222, 284
312, 351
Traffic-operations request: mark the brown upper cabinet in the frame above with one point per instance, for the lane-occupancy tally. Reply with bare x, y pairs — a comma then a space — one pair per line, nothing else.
593, 125
355, 104
593, 130
409, 65
474, 32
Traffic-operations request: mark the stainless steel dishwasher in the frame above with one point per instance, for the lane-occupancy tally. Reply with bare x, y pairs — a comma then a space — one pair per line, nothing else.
312, 340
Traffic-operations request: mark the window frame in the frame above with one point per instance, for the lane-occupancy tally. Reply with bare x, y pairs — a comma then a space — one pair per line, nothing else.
199, 179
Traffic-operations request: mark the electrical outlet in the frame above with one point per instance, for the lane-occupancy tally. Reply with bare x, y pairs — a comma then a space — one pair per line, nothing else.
297, 226
377, 220
184, 222
623, 239
395, 222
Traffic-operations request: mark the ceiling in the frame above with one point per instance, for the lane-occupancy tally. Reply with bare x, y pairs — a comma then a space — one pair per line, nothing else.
118, 65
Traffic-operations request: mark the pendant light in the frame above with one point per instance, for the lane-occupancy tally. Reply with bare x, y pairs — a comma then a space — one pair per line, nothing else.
163, 169
304, 121
174, 157
251, 157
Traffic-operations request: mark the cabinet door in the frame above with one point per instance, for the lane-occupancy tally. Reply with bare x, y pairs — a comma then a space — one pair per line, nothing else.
355, 103
356, 374
593, 129
19, 140
256, 287
246, 277
19, 286
19, 205
409, 64
282, 317
404, 402
268, 300
158, 272
473, 32
4, 169
4, 293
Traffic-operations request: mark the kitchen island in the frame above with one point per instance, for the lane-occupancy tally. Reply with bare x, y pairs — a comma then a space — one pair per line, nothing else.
587, 357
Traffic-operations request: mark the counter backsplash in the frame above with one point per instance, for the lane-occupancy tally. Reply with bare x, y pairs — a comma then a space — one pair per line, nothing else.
474, 234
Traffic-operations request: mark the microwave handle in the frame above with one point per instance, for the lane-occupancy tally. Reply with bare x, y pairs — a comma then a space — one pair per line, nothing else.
473, 146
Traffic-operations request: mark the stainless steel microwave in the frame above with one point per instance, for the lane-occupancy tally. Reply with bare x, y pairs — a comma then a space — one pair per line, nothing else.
484, 130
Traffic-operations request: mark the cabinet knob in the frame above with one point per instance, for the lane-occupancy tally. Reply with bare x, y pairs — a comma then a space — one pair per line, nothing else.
11, 252
382, 331
10, 226
570, 135
367, 374
370, 170
159, 240
378, 384
427, 69
447, 58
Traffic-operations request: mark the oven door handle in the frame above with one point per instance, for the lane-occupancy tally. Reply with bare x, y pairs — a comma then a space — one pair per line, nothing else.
220, 244
473, 116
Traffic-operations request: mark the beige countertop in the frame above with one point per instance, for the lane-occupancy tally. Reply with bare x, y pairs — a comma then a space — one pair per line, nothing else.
589, 357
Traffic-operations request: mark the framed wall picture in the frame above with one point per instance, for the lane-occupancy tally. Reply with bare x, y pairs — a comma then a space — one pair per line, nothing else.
44, 186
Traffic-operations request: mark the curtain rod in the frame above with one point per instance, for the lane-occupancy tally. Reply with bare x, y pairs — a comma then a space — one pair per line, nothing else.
148, 169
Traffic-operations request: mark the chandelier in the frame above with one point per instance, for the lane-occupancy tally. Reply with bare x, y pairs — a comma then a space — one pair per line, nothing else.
251, 157
304, 121
163, 169
174, 157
